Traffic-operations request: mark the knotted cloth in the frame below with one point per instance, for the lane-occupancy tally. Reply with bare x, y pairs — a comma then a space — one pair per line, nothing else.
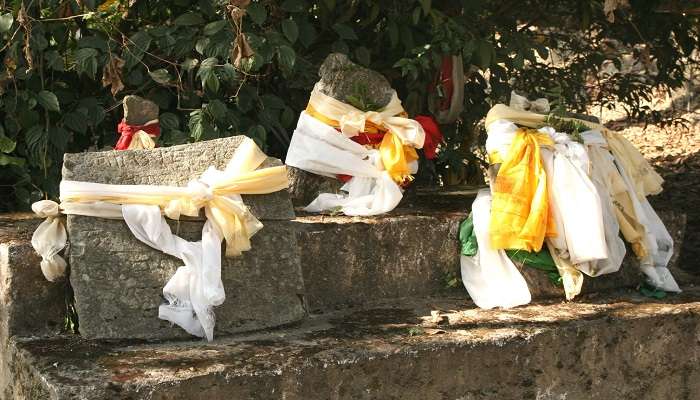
196, 287
136, 137
322, 144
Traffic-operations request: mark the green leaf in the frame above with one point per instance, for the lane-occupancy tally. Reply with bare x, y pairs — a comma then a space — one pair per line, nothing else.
290, 30
6, 21
161, 76
287, 117
293, 6
307, 34
86, 61
7, 145
345, 32
188, 19
257, 12
483, 54
211, 82
169, 121
48, 100
8, 160
272, 101
426, 6
287, 57
190, 64
416, 16
76, 122
258, 134
210, 62
217, 110
214, 27
330, 4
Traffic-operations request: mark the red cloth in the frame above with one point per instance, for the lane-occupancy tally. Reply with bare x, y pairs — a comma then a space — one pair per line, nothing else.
433, 136
127, 133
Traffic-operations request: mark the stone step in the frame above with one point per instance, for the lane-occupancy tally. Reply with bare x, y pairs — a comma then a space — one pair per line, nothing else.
616, 345
343, 262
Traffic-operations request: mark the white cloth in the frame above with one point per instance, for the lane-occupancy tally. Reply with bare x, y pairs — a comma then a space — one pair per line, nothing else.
576, 203
601, 162
196, 287
320, 149
490, 277
49, 239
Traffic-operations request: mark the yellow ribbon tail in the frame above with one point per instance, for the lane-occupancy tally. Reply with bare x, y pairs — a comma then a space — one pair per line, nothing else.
396, 157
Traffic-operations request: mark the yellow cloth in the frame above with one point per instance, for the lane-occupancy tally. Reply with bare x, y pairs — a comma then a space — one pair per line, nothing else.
230, 217
401, 135
141, 140
520, 215
646, 181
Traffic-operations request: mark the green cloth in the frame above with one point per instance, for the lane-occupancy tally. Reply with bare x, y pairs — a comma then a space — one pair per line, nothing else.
467, 237
541, 260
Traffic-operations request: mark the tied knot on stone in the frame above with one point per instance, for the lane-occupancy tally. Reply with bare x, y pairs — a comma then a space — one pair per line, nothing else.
53, 266
521, 103
134, 137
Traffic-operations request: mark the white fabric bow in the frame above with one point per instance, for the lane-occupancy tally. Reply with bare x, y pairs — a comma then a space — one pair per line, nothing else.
196, 287
49, 239
521, 103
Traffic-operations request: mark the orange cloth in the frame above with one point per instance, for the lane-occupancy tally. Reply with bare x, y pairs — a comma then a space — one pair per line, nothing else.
395, 155
520, 214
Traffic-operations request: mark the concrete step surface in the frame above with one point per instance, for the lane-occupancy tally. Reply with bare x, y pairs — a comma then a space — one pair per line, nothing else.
614, 345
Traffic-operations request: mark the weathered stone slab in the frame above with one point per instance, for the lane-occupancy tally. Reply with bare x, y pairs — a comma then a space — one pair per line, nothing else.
613, 346
414, 252
304, 186
29, 304
173, 166
118, 280
351, 83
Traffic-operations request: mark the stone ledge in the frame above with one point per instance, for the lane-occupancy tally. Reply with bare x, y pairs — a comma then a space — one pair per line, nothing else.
618, 345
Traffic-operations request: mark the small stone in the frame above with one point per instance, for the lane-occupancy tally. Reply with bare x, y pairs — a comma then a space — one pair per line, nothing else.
139, 111
353, 84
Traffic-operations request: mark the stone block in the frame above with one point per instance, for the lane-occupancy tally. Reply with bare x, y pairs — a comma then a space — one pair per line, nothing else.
29, 304
413, 252
118, 280
174, 166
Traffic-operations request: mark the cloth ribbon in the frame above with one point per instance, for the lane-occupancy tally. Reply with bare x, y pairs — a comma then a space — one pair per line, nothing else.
519, 102
401, 135
49, 239
520, 215
196, 287
433, 135
135, 137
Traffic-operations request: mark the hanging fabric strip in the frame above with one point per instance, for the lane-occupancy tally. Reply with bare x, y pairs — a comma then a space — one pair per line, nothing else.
196, 287
321, 144
489, 276
137, 137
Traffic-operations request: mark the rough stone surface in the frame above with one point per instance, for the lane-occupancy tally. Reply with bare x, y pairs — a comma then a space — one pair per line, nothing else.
173, 166
29, 304
415, 252
139, 111
341, 78
619, 346
118, 281
304, 186
351, 260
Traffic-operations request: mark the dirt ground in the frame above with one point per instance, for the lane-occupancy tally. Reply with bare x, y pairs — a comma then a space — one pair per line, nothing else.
675, 152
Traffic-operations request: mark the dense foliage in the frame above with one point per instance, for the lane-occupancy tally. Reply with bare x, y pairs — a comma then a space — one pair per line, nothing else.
218, 68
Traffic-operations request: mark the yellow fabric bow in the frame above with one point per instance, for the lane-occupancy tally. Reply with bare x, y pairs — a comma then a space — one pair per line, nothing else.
402, 135
215, 191
520, 216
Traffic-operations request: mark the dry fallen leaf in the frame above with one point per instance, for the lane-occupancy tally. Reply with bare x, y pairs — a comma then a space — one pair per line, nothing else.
112, 74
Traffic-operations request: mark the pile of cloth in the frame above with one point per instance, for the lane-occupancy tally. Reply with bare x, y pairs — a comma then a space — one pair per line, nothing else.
372, 152
564, 193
